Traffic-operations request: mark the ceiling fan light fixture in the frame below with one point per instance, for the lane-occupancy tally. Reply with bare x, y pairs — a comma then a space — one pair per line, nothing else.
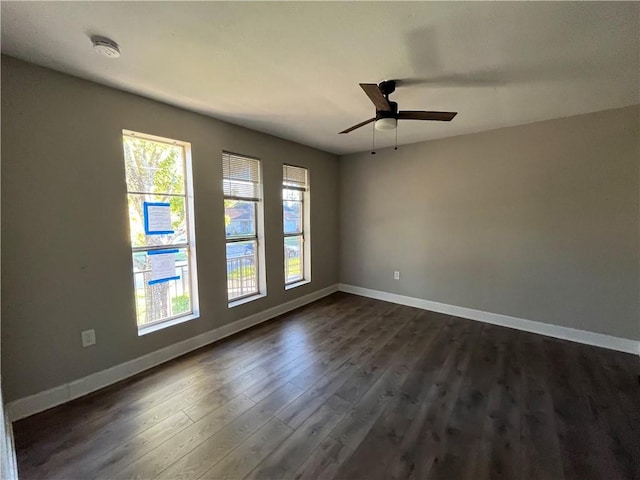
388, 123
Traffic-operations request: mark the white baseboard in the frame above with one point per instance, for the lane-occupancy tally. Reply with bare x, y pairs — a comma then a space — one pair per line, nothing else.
41, 401
565, 333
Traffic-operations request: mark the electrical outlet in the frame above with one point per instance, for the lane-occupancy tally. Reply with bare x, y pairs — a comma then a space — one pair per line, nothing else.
396, 275
88, 338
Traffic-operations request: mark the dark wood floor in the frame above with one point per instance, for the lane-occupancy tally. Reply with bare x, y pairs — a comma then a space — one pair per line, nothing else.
352, 388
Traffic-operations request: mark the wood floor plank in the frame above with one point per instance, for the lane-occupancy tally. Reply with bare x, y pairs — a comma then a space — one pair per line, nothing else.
299, 410
292, 453
357, 423
174, 448
246, 456
540, 457
203, 457
620, 377
141, 410
461, 440
324, 461
577, 436
204, 404
501, 443
303, 407
105, 465
112, 433
307, 369
97, 461
274, 380
380, 446
369, 373
269, 365
423, 441
351, 344
616, 438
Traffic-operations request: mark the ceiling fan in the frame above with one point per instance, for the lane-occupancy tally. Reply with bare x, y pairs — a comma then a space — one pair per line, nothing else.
387, 114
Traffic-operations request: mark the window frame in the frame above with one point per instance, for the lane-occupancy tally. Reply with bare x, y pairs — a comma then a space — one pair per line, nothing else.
188, 244
257, 237
304, 233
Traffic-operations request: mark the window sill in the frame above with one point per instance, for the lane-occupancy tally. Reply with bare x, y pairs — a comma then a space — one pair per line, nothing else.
143, 330
297, 284
242, 301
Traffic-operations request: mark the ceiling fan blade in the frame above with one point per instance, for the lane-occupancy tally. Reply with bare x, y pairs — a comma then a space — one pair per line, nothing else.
454, 80
375, 95
362, 124
422, 115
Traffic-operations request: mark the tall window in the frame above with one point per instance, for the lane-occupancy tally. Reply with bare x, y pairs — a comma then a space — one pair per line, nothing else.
242, 217
295, 219
158, 175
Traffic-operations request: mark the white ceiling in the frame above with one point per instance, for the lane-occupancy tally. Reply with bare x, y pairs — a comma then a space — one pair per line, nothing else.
292, 69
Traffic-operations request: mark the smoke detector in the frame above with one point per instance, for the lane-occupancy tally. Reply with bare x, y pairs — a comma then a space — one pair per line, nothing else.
106, 47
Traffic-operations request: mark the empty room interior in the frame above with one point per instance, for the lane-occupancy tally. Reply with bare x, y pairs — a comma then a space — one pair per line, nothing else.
337, 240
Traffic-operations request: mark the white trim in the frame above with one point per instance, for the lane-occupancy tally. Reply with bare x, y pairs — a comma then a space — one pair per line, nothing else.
556, 331
154, 327
242, 301
297, 284
24, 407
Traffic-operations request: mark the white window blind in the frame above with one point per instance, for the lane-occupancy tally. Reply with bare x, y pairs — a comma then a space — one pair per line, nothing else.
241, 177
294, 177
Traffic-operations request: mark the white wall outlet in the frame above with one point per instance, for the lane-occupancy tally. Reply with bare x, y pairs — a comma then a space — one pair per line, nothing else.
396, 275
88, 338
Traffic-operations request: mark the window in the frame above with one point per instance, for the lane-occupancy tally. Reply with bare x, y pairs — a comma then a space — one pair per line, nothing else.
158, 175
243, 226
295, 220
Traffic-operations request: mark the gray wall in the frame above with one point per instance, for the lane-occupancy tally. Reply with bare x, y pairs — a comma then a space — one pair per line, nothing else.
539, 222
66, 264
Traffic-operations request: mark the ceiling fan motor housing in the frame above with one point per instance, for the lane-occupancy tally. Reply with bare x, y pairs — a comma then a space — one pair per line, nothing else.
393, 113
387, 87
